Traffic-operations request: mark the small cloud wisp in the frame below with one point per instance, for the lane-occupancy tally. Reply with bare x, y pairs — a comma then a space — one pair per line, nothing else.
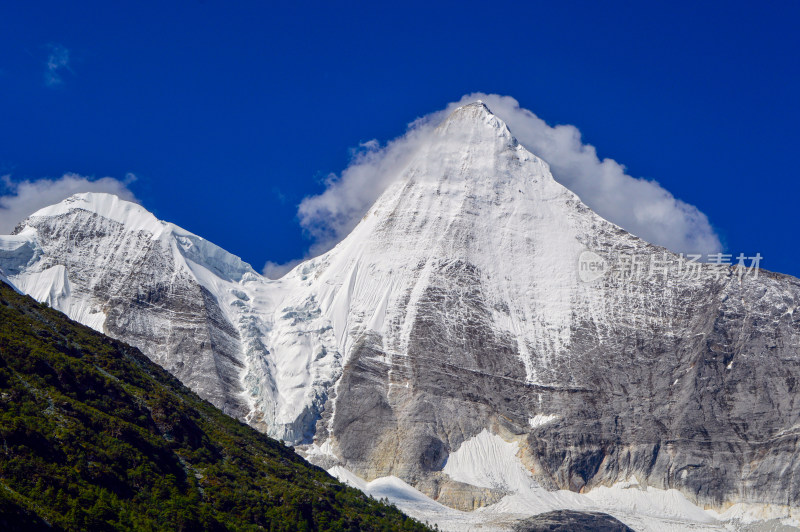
57, 61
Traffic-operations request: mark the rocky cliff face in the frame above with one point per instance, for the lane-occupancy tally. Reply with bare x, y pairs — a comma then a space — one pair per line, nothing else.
464, 301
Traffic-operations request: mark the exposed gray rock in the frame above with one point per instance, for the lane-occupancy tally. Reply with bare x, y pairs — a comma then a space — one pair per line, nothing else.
571, 521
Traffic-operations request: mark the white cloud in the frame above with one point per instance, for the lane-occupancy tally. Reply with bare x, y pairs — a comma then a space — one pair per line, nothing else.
330, 216
57, 61
275, 270
640, 206
26, 197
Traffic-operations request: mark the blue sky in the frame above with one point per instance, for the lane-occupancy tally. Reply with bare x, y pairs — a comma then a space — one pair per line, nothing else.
229, 114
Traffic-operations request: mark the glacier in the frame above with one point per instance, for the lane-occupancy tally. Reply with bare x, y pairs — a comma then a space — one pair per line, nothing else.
487, 459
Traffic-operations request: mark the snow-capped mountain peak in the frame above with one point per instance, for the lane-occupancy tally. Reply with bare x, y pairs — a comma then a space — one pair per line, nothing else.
474, 116
455, 312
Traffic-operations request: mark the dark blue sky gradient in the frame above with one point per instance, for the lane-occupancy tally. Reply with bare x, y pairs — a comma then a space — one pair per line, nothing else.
230, 115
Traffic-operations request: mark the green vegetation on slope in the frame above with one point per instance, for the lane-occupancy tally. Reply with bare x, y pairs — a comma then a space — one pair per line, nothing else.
94, 436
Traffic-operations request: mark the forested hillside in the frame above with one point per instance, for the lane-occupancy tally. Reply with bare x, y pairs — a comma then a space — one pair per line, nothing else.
97, 437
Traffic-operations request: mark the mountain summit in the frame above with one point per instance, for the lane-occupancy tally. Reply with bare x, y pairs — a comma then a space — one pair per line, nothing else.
459, 314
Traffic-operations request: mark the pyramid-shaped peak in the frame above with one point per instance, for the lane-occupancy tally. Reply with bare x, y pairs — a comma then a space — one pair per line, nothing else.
477, 105
474, 110
476, 116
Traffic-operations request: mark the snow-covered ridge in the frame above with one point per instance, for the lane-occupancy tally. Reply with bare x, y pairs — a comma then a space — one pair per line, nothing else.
189, 251
134, 218
131, 215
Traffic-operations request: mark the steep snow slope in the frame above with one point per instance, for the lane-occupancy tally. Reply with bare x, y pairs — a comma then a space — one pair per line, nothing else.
469, 197
456, 312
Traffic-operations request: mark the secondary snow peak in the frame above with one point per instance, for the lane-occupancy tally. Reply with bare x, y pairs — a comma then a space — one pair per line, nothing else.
109, 206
